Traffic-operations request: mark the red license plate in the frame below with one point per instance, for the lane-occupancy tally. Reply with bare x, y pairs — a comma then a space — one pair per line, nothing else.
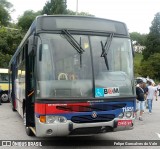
124, 123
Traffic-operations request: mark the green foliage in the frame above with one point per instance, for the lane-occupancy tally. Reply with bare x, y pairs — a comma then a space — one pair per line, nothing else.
84, 14
153, 38
4, 16
6, 4
138, 58
27, 18
139, 38
4, 60
59, 7
9, 41
5, 7
50, 8
150, 67
137, 63
54, 7
150, 63
155, 28
70, 12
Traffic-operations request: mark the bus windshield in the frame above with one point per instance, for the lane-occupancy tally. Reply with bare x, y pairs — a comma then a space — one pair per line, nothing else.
64, 72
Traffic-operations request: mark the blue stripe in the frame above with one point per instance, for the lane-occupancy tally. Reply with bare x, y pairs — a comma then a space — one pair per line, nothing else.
116, 112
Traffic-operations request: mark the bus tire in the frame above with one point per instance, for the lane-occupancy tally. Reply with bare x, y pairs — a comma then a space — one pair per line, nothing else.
29, 132
4, 97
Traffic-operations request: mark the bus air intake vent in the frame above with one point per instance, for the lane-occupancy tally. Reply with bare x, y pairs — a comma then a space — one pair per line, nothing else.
89, 119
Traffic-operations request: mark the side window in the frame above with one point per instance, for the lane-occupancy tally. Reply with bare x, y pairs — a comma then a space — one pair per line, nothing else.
46, 63
20, 76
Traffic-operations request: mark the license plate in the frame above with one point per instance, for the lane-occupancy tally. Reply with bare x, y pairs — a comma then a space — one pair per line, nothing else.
124, 123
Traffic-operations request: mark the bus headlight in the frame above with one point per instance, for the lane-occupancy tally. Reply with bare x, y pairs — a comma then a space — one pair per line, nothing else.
58, 119
128, 114
50, 119
121, 115
62, 119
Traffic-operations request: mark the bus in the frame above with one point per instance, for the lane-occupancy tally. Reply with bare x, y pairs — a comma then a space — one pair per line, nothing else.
73, 75
4, 85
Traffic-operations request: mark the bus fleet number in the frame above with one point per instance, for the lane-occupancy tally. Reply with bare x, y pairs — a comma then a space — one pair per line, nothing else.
125, 109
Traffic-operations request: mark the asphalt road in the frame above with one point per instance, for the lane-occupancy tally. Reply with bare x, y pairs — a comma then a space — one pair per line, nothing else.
11, 128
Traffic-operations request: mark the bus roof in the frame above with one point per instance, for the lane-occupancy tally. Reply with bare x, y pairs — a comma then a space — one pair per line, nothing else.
82, 23
49, 23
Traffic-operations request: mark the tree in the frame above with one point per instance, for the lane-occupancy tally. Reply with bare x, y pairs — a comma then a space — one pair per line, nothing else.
54, 7
4, 12
70, 12
9, 41
59, 7
151, 67
137, 63
153, 38
151, 55
27, 18
6, 4
4, 16
139, 38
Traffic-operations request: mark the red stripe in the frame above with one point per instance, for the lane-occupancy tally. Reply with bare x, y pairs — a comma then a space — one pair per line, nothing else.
59, 108
40, 108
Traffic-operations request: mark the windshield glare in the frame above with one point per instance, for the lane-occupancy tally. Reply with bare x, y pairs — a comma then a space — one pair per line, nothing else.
63, 72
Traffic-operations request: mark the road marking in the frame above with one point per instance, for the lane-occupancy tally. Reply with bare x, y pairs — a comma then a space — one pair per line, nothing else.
158, 135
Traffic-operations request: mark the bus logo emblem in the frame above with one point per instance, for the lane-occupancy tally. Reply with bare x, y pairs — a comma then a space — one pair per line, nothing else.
94, 114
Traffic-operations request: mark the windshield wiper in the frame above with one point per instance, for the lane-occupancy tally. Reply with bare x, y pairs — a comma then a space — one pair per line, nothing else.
73, 42
77, 46
105, 49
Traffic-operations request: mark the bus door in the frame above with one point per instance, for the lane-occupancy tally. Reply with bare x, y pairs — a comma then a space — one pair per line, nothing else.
12, 77
30, 85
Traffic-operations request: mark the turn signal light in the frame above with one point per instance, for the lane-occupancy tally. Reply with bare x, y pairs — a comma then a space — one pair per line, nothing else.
42, 119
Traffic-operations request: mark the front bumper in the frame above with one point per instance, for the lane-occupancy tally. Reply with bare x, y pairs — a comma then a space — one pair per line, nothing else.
70, 128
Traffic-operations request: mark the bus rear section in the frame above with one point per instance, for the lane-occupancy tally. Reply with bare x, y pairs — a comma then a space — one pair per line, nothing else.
4, 85
74, 79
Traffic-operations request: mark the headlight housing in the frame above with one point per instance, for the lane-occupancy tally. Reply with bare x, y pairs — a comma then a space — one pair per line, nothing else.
128, 114
50, 119
121, 115
62, 119
55, 119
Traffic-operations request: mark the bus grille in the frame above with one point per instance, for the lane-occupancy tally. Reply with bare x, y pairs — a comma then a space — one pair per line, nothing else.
89, 119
